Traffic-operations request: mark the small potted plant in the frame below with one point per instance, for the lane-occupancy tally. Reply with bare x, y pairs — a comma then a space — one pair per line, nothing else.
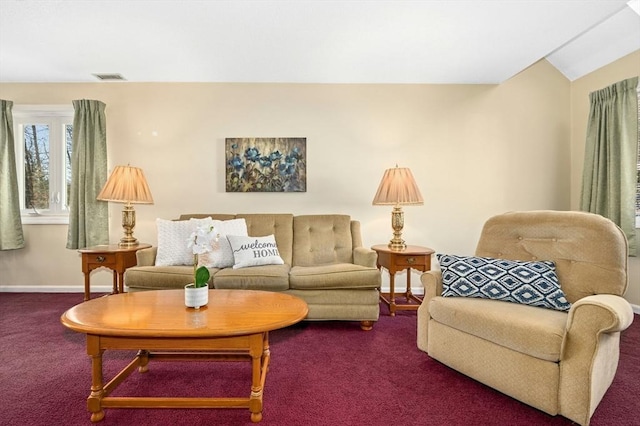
201, 241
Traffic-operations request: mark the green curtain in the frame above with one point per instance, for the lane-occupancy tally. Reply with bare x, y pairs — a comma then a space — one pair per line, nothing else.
11, 236
611, 155
88, 217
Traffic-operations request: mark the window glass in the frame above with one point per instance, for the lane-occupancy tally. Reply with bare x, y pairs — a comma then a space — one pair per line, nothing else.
36, 166
68, 132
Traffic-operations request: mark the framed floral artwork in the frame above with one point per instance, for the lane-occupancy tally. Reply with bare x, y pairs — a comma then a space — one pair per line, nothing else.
266, 164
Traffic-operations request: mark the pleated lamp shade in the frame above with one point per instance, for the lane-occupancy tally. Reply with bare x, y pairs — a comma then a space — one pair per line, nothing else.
397, 188
127, 185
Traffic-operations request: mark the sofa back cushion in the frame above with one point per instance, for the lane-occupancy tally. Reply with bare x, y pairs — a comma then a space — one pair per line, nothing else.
590, 252
279, 224
322, 240
214, 216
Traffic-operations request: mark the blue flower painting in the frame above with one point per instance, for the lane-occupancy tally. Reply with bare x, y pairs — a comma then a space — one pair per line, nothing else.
266, 164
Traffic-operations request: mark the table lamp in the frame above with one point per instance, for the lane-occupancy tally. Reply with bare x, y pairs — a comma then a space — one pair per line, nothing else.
397, 188
127, 185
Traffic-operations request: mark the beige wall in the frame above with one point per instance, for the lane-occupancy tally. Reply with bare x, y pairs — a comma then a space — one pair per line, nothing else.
626, 67
475, 150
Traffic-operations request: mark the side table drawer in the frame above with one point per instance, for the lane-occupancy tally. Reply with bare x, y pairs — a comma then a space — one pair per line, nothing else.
101, 259
411, 261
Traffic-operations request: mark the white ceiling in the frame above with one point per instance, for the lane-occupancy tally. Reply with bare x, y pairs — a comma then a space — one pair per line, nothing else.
309, 41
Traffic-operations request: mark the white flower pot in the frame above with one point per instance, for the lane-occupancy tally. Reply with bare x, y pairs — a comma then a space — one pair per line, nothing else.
194, 297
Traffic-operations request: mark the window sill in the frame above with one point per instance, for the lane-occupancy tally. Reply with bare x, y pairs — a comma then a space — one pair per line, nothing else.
44, 219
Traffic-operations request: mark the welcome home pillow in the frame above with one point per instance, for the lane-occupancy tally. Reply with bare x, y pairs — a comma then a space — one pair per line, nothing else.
529, 283
254, 251
222, 255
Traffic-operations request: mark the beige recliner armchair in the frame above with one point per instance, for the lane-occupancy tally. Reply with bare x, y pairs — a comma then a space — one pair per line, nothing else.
558, 362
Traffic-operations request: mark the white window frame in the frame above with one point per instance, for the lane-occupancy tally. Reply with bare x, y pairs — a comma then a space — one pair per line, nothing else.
56, 117
638, 169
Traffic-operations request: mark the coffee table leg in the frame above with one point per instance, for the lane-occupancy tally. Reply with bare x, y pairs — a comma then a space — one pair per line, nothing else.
266, 353
259, 370
94, 402
143, 361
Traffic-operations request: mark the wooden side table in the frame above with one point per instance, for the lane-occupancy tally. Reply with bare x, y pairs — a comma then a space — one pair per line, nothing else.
412, 257
109, 256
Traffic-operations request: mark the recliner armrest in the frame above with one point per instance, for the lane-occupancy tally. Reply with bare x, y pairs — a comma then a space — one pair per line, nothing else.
146, 257
364, 257
600, 313
432, 283
589, 353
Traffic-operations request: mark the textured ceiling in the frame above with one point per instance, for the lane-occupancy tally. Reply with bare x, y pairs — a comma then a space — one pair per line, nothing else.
305, 41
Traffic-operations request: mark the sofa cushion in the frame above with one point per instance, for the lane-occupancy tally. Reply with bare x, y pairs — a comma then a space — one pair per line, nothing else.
254, 251
278, 224
531, 283
334, 276
267, 277
526, 329
161, 277
322, 239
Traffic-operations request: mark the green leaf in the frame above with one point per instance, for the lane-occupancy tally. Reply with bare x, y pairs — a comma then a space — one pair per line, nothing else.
202, 276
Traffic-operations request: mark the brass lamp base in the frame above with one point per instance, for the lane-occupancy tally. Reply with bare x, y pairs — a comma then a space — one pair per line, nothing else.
128, 223
396, 245
397, 223
126, 243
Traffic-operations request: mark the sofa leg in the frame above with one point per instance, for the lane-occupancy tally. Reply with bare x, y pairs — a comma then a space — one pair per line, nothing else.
366, 325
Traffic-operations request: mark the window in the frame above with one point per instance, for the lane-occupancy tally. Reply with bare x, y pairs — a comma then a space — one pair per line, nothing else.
43, 136
638, 170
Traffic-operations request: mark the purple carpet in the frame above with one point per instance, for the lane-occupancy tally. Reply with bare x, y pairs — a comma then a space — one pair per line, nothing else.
321, 373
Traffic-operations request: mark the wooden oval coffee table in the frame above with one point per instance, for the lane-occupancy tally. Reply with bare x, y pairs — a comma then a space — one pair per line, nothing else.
234, 325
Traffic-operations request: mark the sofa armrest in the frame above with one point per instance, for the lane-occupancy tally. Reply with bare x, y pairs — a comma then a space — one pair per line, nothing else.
590, 352
364, 257
146, 257
432, 283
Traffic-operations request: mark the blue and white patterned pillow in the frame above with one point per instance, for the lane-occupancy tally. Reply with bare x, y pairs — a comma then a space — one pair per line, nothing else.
529, 283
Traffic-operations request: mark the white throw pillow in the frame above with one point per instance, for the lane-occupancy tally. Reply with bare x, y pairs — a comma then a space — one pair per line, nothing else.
222, 256
254, 251
199, 221
173, 236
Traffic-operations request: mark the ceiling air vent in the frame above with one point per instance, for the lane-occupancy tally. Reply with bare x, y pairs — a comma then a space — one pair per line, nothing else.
110, 77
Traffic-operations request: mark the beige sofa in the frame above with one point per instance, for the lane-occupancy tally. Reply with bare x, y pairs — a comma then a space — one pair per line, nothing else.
325, 264
559, 362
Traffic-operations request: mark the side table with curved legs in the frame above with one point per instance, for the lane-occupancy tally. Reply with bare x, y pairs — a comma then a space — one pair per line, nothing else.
109, 256
412, 257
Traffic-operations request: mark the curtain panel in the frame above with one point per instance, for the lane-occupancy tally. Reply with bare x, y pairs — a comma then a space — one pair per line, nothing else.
88, 217
611, 154
11, 235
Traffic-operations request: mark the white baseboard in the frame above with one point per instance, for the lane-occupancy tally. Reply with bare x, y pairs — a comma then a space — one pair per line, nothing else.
107, 289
